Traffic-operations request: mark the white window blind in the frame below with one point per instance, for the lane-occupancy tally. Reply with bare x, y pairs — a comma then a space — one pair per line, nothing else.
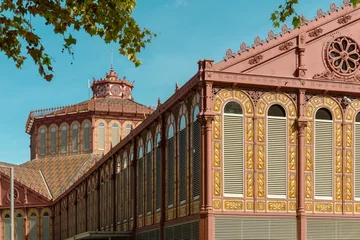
323, 159
233, 155
276, 156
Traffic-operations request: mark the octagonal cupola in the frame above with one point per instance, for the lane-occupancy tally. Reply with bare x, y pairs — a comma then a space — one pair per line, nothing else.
112, 86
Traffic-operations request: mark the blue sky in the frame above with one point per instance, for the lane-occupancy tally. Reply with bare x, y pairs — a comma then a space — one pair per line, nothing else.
189, 30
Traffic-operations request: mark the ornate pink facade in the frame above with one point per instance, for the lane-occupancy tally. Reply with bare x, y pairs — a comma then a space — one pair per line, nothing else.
262, 145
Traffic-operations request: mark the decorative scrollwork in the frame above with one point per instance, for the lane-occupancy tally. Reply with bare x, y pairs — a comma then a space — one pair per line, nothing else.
261, 185
249, 185
249, 157
316, 32
255, 60
338, 188
261, 157
233, 205
217, 184
308, 186
277, 206
292, 186
286, 46
344, 19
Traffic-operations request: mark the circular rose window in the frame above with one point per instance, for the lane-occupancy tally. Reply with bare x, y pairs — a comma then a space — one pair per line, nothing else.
343, 56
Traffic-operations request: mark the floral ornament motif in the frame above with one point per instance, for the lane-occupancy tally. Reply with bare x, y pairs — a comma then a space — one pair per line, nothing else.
343, 55
255, 59
316, 32
346, 3
324, 75
320, 14
271, 36
257, 42
286, 46
333, 8
243, 48
285, 29
303, 20
229, 54
344, 19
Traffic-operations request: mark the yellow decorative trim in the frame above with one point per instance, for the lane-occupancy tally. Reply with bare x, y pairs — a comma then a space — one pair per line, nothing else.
349, 159
195, 207
250, 205
338, 158
292, 132
261, 108
249, 184
309, 133
323, 207
249, 129
308, 157
292, 186
338, 207
217, 105
183, 210
310, 111
338, 188
357, 208
217, 204
240, 95
261, 130
217, 128
225, 94
308, 207
249, 109
261, 185
260, 206
217, 154
349, 207
249, 157
217, 183
261, 157
277, 206
308, 186
292, 206
338, 132
348, 188
234, 205
292, 158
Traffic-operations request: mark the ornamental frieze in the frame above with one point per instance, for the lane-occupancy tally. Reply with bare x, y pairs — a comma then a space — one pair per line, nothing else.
260, 157
249, 129
308, 159
324, 207
292, 158
217, 204
249, 184
277, 206
249, 157
308, 186
217, 128
217, 183
286, 46
344, 19
357, 208
261, 130
348, 207
338, 132
233, 205
338, 188
256, 59
315, 33
338, 161
292, 186
261, 185
260, 205
292, 132
292, 206
348, 188
217, 154
349, 158
338, 207
250, 205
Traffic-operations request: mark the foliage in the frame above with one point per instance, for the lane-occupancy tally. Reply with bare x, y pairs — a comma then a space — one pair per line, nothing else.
287, 11
111, 20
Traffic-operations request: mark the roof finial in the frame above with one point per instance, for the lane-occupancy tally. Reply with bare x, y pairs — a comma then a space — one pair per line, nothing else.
176, 86
111, 60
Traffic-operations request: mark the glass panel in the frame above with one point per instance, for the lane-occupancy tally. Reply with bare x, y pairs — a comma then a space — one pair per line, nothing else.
7, 227
63, 139
46, 227
276, 111
101, 136
170, 171
128, 129
196, 113
115, 135
33, 233
196, 159
86, 137
170, 131
53, 140
323, 114
233, 107
19, 227
357, 117
42, 141
182, 122
75, 140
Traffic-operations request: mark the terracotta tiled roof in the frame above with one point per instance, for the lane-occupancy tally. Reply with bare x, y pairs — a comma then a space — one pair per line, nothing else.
106, 104
60, 172
28, 177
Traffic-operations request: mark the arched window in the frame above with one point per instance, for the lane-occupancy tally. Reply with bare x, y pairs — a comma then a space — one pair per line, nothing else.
7, 226
75, 138
118, 190
276, 151
323, 163
42, 141
115, 134
53, 140
170, 166
19, 226
86, 136
140, 178
158, 172
148, 178
125, 190
46, 226
233, 150
33, 231
63, 139
357, 157
183, 159
131, 191
128, 129
196, 154
101, 136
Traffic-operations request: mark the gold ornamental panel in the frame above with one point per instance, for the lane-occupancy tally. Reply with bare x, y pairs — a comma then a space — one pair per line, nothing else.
309, 159
338, 113
348, 188
250, 205
260, 206
157, 217
183, 210
249, 129
226, 94
195, 206
292, 186
323, 207
261, 185
261, 129
217, 154
292, 206
148, 220
349, 161
308, 207
350, 114
234, 205
249, 109
348, 207
270, 97
276, 206
292, 158
292, 110
292, 132
338, 207
308, 186
349, 135
249, 157
217, 128
260, 157
217, 204
261, 108
308, 133
249, 184
170, 214
239, 95
217, 105
338, 132
338, 165
357, 208
310, 111
338, 188
217, 183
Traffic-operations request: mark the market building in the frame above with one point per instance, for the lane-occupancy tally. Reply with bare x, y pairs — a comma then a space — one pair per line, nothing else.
264, 144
